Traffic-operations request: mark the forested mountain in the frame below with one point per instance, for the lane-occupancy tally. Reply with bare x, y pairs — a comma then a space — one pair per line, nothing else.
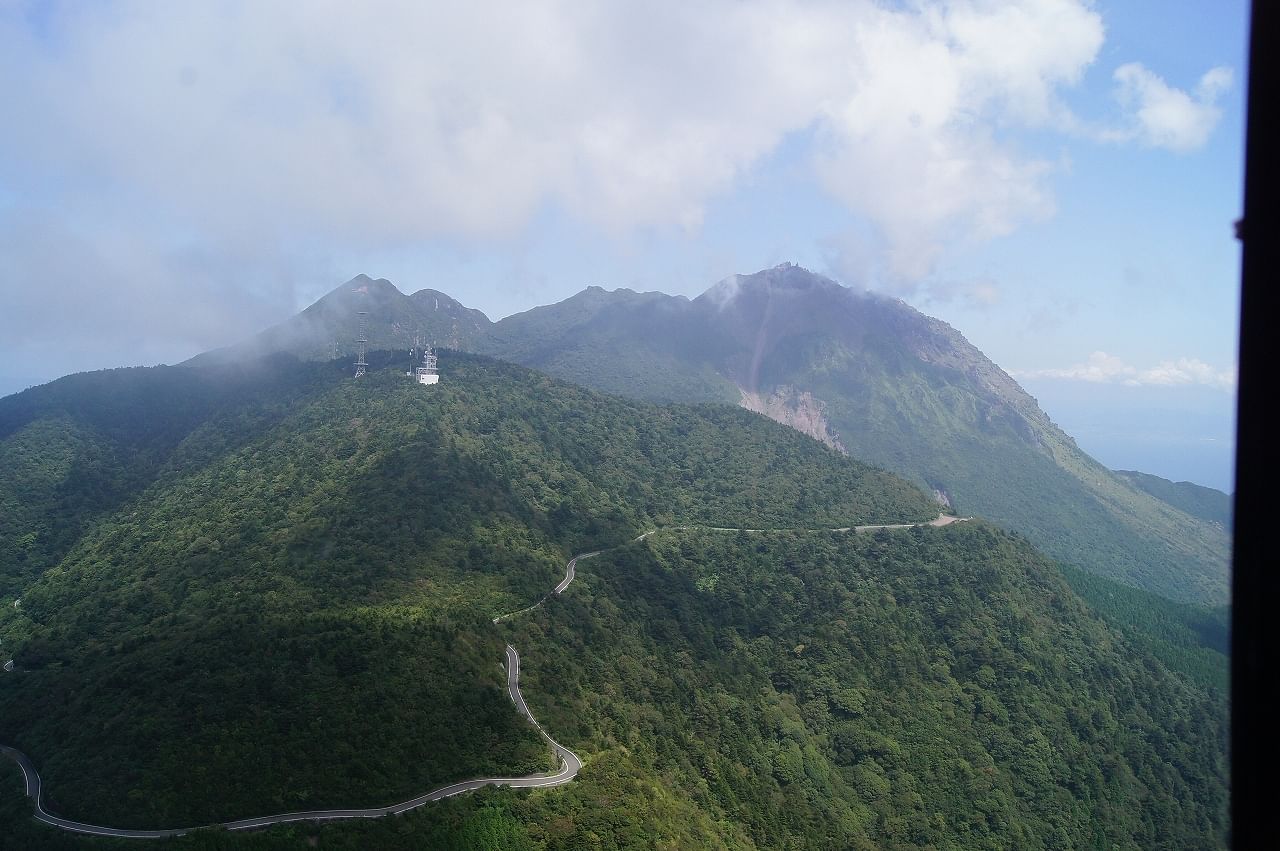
287, 602
1208, 504
393, 321
334, 550
81, 447
863, 373
890, 386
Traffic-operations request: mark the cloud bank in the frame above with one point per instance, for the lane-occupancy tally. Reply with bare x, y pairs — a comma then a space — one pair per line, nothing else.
405, 119
265, 132
1102, 368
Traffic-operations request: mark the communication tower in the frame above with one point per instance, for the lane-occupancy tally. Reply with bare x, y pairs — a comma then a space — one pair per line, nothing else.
427, 373
362, 342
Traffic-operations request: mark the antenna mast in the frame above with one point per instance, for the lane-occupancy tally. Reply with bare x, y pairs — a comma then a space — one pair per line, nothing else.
361, 344
413, 354
428, 373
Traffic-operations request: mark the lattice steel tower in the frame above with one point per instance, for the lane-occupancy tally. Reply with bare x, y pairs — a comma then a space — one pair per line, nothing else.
362, 342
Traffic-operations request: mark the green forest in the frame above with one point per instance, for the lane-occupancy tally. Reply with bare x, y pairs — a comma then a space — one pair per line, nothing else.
897, 388
237, 590
901, 390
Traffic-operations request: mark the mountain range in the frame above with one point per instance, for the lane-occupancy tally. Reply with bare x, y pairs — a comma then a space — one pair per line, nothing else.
866, 374
258, 585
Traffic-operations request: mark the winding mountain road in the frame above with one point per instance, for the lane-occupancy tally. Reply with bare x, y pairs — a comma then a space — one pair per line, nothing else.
570, 764
569, 767
940, 520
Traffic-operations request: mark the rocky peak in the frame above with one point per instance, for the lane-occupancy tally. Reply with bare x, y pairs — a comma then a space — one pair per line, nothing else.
783, 279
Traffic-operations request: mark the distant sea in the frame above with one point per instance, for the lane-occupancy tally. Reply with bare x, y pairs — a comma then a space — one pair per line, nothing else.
1185, 434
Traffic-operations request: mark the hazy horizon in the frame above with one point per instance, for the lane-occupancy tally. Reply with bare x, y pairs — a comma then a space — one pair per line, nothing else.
1172, 433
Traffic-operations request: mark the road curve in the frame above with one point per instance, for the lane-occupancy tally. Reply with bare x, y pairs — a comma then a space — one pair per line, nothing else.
570, 571
570, 764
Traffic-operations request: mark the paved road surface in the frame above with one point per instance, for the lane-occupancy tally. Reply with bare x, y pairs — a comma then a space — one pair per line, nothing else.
570, 571
940, 520
570, 765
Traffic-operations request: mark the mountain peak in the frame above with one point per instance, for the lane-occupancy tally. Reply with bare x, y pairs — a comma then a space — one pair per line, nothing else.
364, 284
785, 277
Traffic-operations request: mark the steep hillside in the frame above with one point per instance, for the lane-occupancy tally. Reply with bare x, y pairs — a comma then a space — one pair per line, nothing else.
81, 447
916, 689
1209, 504
1194, 641
305, 581
294, 608
931, 688
866, 375
875, 378
645, 345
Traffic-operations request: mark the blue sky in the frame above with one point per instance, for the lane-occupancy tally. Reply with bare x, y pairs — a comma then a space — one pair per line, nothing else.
1056, 178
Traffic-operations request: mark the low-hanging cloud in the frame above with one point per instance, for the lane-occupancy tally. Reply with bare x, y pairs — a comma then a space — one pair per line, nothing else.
252, 128
1103, 368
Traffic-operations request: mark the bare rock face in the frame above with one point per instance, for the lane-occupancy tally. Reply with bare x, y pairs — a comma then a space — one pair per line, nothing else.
798, 409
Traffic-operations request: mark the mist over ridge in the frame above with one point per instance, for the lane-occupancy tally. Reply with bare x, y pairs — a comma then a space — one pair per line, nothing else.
862, 372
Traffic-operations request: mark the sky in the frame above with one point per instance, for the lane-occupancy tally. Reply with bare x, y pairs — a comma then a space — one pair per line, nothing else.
1058, 179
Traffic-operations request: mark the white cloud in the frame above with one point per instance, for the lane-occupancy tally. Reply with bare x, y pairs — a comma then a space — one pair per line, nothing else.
1161, 116
1102, 368
258, 129
911, 140
400, 120
404, 120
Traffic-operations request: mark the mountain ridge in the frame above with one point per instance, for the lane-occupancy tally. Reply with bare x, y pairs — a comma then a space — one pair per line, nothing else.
306, 583
864, 373
326, 328
1209, 504
349, 534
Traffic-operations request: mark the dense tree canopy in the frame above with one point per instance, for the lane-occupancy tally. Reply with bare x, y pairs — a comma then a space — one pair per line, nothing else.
282, 598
